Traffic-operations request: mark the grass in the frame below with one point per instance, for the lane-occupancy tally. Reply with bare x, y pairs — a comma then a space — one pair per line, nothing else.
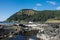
52, 21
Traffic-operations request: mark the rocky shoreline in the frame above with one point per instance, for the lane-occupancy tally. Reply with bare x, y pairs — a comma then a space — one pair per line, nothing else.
42, 31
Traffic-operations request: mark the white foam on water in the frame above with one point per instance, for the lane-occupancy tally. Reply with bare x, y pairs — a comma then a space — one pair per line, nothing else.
31, 39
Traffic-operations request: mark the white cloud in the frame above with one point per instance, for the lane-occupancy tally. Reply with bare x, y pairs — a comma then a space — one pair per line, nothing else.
38, 4
58, 8
35, 8
51, 2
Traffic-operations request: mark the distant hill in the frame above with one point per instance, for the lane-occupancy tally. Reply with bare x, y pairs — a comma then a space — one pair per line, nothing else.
26, 15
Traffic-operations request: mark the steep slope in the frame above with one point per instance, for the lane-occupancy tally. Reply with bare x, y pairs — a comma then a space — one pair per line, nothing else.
23, 15
33, 15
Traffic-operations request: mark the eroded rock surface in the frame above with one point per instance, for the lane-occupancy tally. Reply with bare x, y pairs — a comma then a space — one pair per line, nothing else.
50, 32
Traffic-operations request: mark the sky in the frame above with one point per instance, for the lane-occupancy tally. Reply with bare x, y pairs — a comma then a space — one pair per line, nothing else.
9, 7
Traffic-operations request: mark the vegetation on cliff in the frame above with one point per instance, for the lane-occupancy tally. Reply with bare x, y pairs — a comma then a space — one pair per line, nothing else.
34, 15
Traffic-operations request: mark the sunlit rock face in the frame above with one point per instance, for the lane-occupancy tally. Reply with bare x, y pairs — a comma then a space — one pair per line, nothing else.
49, 33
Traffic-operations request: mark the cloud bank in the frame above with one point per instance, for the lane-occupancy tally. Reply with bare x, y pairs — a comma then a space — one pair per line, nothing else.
51, 2
58, 8
38, 4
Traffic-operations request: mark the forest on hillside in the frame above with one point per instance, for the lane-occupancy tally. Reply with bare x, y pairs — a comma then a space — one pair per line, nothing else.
34, 15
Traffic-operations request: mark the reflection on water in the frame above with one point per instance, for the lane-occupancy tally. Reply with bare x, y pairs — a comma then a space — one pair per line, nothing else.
19, 37
22, 37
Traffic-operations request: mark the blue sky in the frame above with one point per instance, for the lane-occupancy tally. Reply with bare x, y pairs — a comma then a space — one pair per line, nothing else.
9, 7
